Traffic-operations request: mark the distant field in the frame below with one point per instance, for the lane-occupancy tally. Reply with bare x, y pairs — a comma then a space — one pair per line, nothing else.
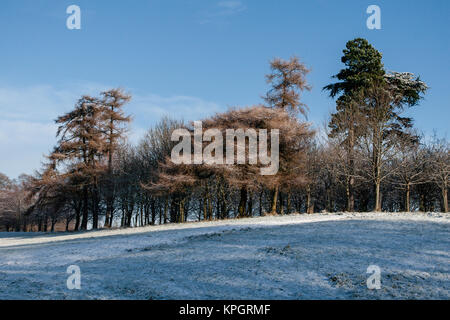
321, 256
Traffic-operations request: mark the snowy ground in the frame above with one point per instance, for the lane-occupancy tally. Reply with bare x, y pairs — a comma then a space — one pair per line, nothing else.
321, 256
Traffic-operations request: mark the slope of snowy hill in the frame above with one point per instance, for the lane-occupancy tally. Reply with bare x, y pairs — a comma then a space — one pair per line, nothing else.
321, 256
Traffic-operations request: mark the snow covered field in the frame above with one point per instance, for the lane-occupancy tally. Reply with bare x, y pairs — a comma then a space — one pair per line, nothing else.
321, 256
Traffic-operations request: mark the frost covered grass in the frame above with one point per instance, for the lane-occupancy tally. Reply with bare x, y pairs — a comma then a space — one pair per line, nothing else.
320, 256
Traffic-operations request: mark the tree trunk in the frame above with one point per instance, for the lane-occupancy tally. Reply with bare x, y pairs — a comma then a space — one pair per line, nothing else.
85, 209
377, 147
45, 223
129, 217
407, 196
350, 194
422, 202
77, 220
122, 218
209, 201
261, 202
377, 197
153, 211
328, 206
224, 207
298, 204
110, 183
95, 206
280, 196
288, 211
108, 214
166, 207
351, 178
273, 209
242, 202
444, 199
204, 208
309, 203
182, 218
250, 205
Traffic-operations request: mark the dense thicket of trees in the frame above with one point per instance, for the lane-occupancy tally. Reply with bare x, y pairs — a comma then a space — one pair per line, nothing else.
370, 158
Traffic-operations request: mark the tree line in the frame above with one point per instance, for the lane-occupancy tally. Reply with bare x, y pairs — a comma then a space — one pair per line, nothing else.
369, 157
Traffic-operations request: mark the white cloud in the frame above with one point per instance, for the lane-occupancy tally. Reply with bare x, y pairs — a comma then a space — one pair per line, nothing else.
179, 107
23, 144
222, 10
235, 6
27, 128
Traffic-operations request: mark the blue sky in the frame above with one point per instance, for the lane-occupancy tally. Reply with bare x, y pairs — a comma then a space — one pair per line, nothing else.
191, 58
